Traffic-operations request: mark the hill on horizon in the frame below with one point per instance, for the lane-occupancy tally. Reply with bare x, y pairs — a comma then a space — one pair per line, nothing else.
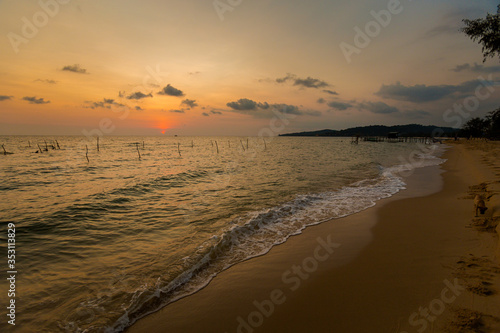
410, 130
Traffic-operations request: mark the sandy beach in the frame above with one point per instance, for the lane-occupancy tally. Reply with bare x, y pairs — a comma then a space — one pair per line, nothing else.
419, 261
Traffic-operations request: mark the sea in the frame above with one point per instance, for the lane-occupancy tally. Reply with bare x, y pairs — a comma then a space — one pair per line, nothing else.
107, 235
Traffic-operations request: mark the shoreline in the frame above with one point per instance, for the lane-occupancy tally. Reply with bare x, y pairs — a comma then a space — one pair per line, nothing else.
366, 272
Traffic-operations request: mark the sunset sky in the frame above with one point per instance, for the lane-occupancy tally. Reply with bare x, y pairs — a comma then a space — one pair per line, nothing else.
228, 67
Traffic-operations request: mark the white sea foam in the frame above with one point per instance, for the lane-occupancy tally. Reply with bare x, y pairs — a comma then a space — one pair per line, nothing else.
257, 232
115, 239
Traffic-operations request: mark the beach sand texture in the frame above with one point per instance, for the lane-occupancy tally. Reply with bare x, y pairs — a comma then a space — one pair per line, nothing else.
419, 261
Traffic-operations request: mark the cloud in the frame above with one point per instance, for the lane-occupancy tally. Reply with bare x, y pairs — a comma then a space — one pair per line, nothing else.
243, 104
5, 98
288, 109
75, 69
138, 108
445, 29
295, 110
463, 67
139, 95
261, 110
331, 92
416, 114
378, 107
450, 22
460, 68
477, 68
46, 81
286, 78
264, 105
308, 82
422, 93
177, 111
189, 102
267, 80
171, 91
205, 114
34, 100
418, 93
215, 112
339, 105
105, 103
321, 101
456, 14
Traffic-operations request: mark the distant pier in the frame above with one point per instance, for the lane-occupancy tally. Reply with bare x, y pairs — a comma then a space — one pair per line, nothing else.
426, 140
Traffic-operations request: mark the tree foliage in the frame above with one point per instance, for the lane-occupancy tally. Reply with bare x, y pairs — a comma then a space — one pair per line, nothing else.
475, 128
493, 119
489, 127
485, 31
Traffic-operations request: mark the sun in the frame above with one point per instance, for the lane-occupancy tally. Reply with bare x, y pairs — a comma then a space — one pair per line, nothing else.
163, 131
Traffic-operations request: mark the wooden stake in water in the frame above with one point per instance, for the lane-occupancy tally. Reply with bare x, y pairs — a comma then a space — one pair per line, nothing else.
46, 147
97, 143
179, 148
142, 144
138, 152
247, 144
192, 143
217, 147
39, 149
242, 145
57, 143
265, 145
29, 143
87, 153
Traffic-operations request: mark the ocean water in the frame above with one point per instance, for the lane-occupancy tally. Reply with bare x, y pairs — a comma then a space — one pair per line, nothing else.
102, 242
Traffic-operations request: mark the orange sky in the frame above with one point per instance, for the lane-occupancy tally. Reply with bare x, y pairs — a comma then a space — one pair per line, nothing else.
192, 68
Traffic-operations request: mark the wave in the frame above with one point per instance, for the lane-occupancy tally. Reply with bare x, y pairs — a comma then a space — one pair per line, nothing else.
96, 207
257, 232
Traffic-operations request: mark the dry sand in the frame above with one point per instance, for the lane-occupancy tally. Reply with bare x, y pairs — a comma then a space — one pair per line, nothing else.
416, 262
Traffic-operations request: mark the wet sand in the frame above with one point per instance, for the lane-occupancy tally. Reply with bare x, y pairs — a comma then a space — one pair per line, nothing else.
416, 262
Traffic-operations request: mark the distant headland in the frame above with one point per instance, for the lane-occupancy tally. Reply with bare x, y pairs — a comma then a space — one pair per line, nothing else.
411, 130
